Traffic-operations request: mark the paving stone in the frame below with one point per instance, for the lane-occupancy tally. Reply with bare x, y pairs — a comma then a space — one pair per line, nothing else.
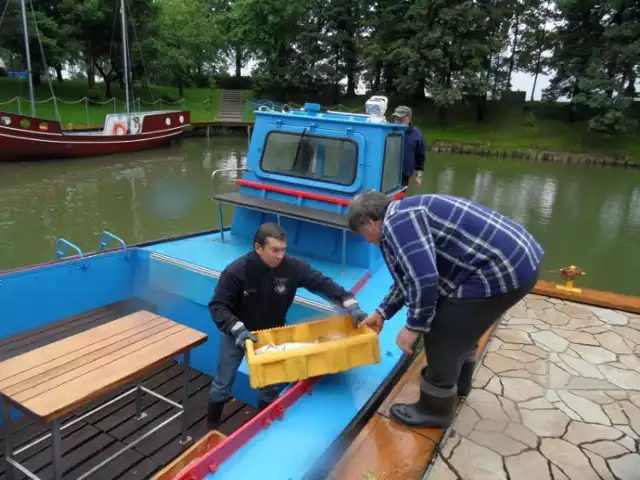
498, 442
558, 378
557, 473
487, 405
533, 350
630, 361
520, 356
510, 409
613, 342
516, 374
539, 367
580, 432
475, 462
441, 471
491, 425
615, 413
482, 377
633, 414
466, 421
606, 448
584, 368
599, 465
577, 336
630, 335
628, 443
589, 411
521, 389
612, 317
554, 317
545, 423
536, 404
625, 379
567, 411
498, 363
550, 340
597, 396
594, 355
626, 467
528, 466
521, 433
569, 458
509, 335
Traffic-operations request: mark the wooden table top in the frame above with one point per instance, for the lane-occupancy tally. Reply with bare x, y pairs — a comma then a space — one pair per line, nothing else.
53, 380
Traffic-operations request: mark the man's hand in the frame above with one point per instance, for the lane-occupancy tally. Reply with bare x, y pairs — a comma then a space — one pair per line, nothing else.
418, 179
353, 309
374, 321
406, 340
241, 335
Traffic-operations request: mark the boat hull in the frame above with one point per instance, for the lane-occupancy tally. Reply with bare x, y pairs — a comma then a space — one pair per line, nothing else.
44, 139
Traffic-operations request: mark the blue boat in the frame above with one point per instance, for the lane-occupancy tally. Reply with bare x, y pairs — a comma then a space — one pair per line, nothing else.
303, 168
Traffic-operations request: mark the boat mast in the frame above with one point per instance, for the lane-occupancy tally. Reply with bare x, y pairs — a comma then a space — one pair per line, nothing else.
125, 58
28, 57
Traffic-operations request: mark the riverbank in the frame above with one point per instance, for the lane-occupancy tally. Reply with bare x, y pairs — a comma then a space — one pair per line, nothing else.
513, 132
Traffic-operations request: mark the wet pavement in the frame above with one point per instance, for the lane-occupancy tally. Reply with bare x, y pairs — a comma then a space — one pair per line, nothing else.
557, 397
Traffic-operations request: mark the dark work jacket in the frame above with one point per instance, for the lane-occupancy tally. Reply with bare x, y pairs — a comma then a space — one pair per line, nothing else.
414, 151
260, 296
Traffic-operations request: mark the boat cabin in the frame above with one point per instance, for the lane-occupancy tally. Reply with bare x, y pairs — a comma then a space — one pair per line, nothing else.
303, 169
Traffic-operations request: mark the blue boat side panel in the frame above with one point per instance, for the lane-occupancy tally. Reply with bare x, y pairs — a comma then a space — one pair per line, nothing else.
35, 297
209, 251
311, 425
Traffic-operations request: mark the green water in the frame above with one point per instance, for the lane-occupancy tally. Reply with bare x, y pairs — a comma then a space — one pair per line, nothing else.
587, 216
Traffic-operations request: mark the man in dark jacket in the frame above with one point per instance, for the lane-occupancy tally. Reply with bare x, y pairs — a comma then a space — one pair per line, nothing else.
414, 147
254, 293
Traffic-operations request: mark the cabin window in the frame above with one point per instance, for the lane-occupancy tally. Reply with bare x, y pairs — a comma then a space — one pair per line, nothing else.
392, 169
325, 159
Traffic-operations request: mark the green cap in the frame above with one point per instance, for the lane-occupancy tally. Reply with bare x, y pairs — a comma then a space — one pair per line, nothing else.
402, 111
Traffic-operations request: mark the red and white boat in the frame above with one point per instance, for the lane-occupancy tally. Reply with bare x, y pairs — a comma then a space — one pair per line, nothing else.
31, 138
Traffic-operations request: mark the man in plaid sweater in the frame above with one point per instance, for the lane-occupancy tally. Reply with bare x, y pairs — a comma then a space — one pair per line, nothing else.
458, 266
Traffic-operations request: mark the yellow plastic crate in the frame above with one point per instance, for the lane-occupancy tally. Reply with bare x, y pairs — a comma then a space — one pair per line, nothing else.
358, 347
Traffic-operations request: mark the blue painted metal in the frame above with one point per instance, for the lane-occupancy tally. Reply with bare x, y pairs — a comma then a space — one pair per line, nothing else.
107, 237
63, 246
179, 277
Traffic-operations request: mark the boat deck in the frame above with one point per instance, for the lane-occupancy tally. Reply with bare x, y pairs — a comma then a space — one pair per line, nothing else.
557, 397
88, 442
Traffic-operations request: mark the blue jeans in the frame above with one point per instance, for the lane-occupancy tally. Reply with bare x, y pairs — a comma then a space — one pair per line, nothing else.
229, 360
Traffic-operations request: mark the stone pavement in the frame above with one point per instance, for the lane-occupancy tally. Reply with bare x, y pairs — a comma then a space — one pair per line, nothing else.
557, 398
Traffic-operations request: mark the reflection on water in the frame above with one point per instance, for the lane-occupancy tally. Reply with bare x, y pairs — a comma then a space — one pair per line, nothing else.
588, 216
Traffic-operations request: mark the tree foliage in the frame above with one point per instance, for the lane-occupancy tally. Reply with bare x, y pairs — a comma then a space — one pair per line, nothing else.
451, 51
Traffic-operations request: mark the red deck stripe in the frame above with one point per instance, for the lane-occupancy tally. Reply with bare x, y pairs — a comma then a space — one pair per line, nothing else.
211, 461
301, 193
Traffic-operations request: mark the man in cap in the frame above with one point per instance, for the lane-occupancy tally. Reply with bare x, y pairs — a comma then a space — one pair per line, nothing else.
414, 148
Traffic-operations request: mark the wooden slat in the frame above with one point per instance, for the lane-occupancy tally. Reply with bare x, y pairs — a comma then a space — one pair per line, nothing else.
385, 449
20, 343
62, 348
72, 362
47, 382
206, 443
64, 398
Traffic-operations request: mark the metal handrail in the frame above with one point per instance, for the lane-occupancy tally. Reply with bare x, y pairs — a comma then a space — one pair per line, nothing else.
213, 192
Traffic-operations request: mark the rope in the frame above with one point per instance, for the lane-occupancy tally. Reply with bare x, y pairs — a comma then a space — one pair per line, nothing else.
144, 68
46, 68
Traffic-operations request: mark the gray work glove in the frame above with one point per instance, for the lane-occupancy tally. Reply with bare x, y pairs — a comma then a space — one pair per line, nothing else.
241, 335
353, 309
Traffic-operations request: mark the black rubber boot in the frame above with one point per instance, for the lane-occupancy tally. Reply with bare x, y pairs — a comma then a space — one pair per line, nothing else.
214, 415
466, 378
435, 409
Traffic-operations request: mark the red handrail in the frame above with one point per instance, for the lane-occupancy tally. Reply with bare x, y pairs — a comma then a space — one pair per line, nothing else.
211, 461
301, 193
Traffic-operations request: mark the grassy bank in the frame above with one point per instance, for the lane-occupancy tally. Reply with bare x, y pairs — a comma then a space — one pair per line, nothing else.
203, 103
506, 129
514, 129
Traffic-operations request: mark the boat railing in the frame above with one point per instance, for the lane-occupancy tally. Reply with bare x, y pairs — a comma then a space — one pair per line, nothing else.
213, 192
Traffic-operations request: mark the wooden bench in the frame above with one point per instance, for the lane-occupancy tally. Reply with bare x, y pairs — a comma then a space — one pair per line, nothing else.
278, 208
53, 380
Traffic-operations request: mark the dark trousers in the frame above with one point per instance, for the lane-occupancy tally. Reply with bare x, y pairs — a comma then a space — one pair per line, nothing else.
229, 360
456, 329
405, 180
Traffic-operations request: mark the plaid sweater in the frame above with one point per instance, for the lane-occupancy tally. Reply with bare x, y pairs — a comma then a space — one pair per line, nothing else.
444, 246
